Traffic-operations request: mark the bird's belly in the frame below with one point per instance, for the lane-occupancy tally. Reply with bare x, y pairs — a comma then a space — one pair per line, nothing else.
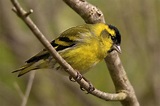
81, 59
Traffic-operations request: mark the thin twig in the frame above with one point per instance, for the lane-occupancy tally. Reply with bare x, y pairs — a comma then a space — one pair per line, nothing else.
28, 89
106, 96
18, 90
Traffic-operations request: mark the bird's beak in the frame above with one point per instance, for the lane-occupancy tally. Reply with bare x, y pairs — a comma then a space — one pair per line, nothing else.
117, 48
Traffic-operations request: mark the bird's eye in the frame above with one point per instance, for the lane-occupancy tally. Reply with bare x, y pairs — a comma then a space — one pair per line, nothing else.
113, 38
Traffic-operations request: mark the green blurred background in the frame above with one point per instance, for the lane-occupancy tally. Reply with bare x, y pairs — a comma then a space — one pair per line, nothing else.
138, 22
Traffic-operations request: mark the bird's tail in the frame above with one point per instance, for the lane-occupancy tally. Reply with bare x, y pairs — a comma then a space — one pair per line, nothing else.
41, 64
25, 69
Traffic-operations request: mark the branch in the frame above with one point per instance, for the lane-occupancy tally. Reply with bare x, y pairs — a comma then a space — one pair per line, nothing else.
25, 17
93, 15
120, 79
87, 11
28, 89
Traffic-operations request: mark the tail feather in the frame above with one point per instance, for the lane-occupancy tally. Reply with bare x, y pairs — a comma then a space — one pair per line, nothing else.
25, 69
41, 64
22, 68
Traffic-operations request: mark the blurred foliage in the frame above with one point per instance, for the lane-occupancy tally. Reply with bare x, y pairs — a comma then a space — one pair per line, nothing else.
138, 22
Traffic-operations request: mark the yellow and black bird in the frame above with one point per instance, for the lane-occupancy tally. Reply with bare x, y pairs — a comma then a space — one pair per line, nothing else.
81, 46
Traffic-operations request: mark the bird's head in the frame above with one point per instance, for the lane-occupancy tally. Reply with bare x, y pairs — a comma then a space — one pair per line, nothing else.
112, 37
116, 38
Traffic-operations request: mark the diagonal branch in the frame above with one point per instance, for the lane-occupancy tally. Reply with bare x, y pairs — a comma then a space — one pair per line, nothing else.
25, 17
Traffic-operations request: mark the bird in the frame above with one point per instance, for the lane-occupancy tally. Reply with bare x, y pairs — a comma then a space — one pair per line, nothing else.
82, 46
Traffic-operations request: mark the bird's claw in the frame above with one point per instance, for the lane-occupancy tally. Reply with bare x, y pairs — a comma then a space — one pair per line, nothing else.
71, 79
82, 88
90, 88
78, 77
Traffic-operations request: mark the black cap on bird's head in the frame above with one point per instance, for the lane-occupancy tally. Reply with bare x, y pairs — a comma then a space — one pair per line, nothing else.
116, 39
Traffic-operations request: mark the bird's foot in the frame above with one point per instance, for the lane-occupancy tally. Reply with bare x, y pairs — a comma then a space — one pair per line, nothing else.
78, 77
90, 88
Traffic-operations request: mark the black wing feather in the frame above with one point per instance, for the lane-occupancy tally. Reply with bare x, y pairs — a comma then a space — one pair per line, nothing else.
45, 54
59, 46
38, 57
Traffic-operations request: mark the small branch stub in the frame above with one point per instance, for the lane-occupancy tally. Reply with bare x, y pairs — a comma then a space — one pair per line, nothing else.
28, 13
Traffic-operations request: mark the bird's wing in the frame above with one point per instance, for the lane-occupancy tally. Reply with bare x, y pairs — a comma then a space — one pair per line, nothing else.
41, 55
67, 39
